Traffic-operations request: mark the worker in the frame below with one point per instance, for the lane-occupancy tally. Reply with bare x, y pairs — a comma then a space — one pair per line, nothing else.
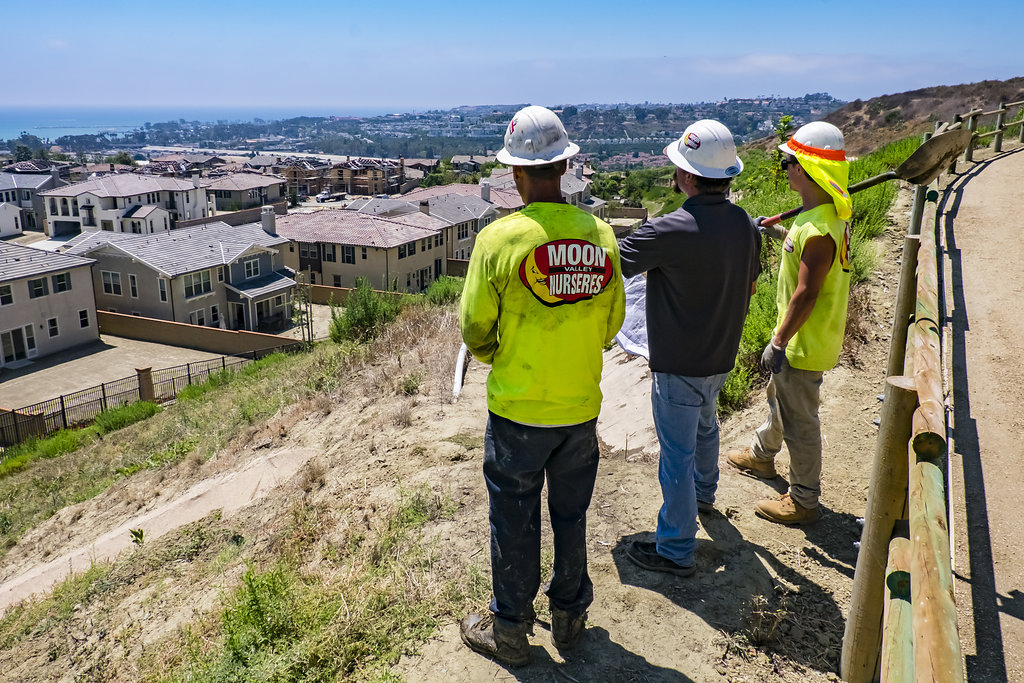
702, 262
814, 283
543, 296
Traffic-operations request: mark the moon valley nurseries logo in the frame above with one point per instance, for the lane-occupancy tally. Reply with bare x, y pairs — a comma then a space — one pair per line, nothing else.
566, 271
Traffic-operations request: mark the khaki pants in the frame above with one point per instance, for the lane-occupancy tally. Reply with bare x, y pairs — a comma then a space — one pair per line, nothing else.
793, 400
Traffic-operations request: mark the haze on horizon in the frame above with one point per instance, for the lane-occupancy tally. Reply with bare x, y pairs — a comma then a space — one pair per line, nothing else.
415, 56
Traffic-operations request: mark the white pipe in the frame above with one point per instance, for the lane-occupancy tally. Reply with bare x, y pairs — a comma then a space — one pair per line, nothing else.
460, 369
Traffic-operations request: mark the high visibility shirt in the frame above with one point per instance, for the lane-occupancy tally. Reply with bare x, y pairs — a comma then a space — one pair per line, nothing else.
817, 343
543, 295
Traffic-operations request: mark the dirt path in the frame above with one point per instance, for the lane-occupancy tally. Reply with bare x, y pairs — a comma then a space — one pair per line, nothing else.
984, 282
227, 492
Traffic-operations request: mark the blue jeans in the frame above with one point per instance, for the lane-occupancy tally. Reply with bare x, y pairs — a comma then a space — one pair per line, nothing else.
516, 460
685, 416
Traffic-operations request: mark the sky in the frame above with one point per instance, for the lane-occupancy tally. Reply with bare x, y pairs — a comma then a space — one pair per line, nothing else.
412, 56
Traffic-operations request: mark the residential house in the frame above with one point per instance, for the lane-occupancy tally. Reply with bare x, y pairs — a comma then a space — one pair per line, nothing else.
40, 166
21, 207
243, 190
465, 215
505, 200
193, 162
215, 274
123, 202
424, 165
403, 252
304, 176
86, 171
46, 303
470, 163
367, 176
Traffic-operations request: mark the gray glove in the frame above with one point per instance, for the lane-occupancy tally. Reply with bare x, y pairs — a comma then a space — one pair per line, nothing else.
771, 359
775, 232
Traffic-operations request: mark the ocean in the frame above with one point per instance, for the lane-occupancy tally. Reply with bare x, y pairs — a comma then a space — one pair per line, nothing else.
53, 122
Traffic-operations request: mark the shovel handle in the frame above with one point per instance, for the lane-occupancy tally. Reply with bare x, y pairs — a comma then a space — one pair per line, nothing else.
856, 187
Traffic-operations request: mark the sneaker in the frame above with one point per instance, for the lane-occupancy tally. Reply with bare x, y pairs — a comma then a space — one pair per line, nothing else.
705, 507
645, 554
743, 459
566, 631
503, 644
785, 510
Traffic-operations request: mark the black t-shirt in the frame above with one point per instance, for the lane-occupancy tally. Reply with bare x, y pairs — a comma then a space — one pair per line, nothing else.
701, 262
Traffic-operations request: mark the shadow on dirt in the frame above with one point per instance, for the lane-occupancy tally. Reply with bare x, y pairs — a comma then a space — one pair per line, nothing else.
616, 663
733, 591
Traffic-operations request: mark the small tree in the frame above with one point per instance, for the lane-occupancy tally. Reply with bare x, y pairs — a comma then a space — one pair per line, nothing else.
783, 129
365, 315
22, 153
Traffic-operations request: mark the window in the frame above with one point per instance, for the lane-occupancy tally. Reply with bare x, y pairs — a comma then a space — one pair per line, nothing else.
252, 268
412, 248
51, 327
197, 283
61, 282
401, 251
64, 211
83, 318
6, 295
307, 250
214, 316
133, 286
463, 231
364, 253
197, 317
330, 252
111, 282
423, 245
337, 281
74, 207
437, 240
348, 254
279, 300
162, 283
220, 273
53, 206
38, 288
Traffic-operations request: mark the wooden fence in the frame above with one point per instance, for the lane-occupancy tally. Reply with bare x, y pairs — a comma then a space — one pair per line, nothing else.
902, 623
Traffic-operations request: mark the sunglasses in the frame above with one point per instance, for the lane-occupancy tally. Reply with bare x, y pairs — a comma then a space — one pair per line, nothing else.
787, 162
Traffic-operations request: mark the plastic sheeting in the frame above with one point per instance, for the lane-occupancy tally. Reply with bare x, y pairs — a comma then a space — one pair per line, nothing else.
633, 335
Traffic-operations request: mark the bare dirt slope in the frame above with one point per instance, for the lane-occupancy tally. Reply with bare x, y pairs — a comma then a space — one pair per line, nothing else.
985, 330
766, 604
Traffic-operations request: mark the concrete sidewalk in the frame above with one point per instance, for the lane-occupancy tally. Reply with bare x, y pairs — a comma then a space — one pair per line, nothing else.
87, 366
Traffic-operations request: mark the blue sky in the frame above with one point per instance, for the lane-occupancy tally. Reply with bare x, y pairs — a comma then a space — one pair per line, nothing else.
420, 55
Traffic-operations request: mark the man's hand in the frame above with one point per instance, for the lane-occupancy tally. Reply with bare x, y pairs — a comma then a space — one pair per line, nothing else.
771, 359
774, 231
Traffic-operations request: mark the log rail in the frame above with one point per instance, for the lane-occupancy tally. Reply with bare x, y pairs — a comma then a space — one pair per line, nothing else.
902, 623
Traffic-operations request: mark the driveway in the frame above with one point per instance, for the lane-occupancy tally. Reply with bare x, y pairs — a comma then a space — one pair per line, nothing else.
87, 366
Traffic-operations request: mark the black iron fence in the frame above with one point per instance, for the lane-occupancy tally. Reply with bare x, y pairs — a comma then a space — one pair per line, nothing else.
81, 407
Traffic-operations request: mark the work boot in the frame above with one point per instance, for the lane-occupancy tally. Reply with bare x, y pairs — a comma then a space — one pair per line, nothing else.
743, 459
645, 554
785, 510
507, 645
566, 631
705, 507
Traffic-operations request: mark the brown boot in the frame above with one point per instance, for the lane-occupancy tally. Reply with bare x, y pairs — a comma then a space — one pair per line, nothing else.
507, 645
566, 630
743, 459
785, 510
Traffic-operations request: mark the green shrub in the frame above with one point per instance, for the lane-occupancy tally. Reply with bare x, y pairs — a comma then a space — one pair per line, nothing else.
444, 290
122, 416
214, 381
365, 314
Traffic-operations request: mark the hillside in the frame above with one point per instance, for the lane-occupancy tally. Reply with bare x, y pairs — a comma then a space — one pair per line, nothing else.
868, 124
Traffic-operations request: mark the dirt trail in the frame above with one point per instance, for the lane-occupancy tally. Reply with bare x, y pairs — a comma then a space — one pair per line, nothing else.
227, 492
985, 337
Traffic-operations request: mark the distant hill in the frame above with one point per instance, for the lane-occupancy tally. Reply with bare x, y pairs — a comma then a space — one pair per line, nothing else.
870, 123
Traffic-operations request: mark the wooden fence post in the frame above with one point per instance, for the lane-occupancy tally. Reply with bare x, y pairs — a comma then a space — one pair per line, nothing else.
886, 500
897, 619
17, 431
147, 391
998, 146
972, 125
906, 299
1020, 135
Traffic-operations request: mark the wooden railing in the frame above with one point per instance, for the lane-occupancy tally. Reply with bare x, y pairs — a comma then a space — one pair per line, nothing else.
902, 623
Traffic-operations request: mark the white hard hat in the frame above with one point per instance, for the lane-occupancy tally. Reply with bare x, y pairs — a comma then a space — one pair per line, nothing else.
815, 138
535, 136
706, 149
